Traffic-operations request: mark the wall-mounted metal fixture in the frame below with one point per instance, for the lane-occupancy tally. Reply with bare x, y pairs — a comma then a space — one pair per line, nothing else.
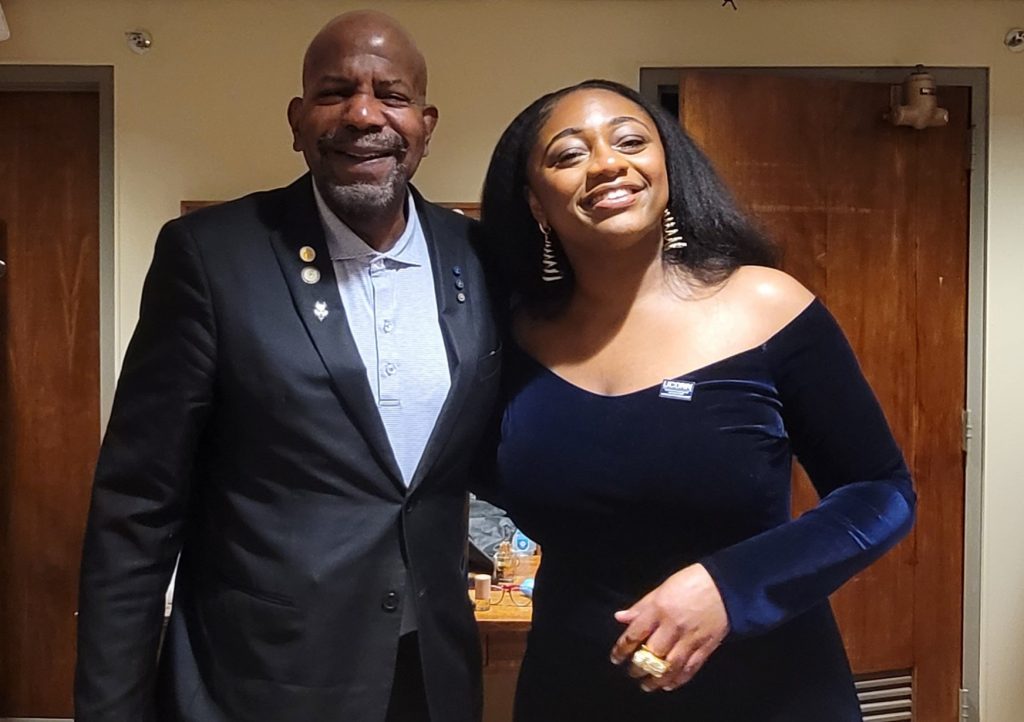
1014, 40
139, 41
917, 105
5, 30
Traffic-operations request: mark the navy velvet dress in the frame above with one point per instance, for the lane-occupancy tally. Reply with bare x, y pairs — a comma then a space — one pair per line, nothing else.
623, 491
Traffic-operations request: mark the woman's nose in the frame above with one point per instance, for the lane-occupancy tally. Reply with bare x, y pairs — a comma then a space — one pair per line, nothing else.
606, 162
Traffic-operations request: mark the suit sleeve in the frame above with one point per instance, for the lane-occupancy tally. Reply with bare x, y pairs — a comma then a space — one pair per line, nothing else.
483, 473
142, 485
838, 432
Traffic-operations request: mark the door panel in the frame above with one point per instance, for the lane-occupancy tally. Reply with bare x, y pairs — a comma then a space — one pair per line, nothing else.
49, 436
873, 219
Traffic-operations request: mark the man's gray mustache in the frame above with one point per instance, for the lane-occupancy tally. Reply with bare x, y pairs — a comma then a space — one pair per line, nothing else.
377, 143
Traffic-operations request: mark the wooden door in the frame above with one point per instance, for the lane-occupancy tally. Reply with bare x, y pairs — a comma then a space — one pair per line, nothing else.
873, 219
49, 435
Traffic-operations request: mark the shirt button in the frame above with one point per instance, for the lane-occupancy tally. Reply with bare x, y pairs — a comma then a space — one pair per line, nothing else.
390, 369
390, 602
389, 327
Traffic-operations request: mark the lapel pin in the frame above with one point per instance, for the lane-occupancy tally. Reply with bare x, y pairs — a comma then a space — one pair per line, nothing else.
320, 310
459, 284
310, 275
460, 297
307, 254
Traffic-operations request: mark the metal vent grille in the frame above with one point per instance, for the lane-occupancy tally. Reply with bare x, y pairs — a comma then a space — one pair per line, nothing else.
886, 697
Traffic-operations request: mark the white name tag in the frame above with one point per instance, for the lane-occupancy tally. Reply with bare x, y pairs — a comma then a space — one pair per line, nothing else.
678, 390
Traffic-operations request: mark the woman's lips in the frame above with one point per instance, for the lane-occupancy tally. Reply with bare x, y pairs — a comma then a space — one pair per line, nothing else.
612, 199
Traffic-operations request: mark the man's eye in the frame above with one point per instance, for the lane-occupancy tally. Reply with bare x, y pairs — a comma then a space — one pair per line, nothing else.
396, 100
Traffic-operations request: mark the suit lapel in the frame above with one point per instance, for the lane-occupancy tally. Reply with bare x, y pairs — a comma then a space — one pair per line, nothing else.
447, 258
319, 306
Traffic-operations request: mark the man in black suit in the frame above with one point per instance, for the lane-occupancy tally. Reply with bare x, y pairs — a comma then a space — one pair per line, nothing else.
296, 415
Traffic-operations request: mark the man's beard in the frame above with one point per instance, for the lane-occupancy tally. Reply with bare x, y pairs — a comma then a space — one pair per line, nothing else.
366, 200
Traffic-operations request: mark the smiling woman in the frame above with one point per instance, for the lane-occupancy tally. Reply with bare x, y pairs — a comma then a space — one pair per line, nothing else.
663, 380
719, 237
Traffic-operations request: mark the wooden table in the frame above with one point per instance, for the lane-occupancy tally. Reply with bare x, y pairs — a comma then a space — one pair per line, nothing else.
503, 627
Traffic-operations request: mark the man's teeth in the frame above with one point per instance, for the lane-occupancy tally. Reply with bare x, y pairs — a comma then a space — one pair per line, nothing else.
366, 156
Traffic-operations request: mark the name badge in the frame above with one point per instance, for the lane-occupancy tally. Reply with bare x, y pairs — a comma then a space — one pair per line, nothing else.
678, 390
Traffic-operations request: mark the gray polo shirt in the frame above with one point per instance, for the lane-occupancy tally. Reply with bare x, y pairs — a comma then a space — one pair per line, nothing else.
391, 306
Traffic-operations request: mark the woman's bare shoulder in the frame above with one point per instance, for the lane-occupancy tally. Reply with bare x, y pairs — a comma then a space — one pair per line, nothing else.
772, 297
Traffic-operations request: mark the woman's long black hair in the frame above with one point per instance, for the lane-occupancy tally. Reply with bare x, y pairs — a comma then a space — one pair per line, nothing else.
719, 237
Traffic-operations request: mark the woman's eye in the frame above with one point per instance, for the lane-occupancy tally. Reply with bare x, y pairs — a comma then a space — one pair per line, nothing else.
632, 142
568, 156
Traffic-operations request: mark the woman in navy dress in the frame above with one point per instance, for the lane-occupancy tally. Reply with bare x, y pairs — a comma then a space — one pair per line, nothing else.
663, 378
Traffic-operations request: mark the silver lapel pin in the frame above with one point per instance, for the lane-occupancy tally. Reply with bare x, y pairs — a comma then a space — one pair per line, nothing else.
310, 275
320, 310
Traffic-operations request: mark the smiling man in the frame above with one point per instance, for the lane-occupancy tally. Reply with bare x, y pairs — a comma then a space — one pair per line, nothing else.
296, 415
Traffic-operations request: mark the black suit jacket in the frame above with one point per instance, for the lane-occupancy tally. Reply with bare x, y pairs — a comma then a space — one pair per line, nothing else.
245, 436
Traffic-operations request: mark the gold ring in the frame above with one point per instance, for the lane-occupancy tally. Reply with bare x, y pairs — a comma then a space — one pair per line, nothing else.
649, 662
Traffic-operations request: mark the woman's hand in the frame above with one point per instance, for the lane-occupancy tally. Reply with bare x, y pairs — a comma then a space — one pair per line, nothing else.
682, 621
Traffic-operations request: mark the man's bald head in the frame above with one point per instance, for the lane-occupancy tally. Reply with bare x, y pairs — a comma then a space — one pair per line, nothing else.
365, 32
363, 123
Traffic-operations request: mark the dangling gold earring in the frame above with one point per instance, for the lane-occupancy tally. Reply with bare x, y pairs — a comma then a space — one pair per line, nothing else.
671, 239
548, 263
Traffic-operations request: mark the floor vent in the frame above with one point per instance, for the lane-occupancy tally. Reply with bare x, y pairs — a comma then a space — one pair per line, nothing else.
886, 697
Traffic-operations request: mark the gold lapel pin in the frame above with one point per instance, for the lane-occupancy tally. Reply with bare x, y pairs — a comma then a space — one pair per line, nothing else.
310, 275
307, 254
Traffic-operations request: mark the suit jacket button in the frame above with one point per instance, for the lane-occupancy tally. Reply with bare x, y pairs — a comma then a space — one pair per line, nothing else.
390, 603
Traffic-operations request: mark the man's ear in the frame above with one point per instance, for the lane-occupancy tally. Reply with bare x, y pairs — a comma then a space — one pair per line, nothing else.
430, 122
536, 209
294, 113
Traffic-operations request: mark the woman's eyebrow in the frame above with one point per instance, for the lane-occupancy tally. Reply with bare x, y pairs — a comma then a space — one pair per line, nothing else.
617, 120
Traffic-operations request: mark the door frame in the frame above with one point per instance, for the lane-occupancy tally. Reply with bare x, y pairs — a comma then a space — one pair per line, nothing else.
977, 79
97, 79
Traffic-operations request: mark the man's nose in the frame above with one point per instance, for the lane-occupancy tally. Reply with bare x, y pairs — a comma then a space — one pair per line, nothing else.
363, 112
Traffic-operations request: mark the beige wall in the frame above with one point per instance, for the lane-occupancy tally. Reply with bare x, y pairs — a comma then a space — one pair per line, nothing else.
202, 116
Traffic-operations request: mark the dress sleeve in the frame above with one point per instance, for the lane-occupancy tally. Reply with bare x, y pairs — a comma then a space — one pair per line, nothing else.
839, 434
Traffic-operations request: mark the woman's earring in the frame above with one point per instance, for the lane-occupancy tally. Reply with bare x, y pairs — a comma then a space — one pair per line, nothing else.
671, 239
548, 264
